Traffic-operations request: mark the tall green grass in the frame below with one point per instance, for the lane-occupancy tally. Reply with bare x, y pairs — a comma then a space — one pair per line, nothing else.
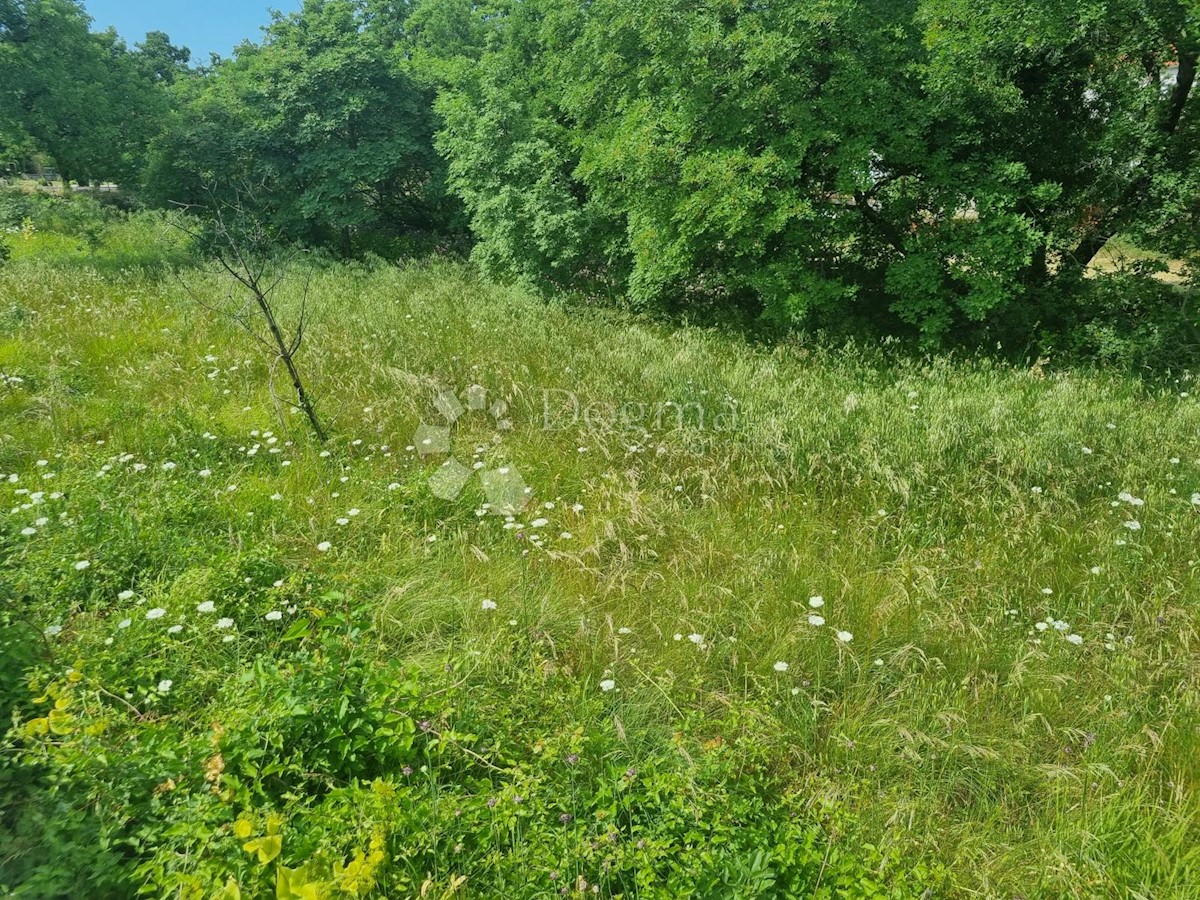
1012, 553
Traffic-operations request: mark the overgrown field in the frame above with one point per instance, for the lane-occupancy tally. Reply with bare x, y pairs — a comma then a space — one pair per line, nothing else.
834, 624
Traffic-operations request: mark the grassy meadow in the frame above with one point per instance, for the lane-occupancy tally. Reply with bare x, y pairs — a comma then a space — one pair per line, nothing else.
840, 622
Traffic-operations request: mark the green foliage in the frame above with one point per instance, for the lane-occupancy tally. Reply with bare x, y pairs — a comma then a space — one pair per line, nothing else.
327, 769
321, 130
78, 96
83, 229
1127, 319
942, 160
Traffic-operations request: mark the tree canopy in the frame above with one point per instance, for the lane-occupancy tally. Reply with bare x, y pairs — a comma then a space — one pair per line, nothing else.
940, 160
322, 128
80, 97
940, 166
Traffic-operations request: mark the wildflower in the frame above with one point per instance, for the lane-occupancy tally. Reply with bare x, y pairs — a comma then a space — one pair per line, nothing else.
157, 613
488, 604
696, 638
624, 630
845, 637
607, 685
126, 594
816, 620
781, 666
816, 602
52, 630
354, 512
539, 523
224, 623
165, 685
206, 607
125, 623
273, 616
175, 629
82, 564
1075, 639
28, 532
204, 473
324, 546
1133, 525
168, 466
343, 521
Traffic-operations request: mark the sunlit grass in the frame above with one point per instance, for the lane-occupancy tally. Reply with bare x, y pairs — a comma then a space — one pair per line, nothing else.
942, 509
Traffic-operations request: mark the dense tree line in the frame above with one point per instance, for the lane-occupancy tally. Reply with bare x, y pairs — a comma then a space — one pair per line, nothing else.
940, 165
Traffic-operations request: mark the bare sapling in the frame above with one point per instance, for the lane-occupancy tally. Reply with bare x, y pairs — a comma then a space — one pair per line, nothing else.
245, 252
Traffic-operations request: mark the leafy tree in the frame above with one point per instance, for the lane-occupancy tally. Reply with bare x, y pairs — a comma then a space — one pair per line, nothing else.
75, 95
323, 118
940, 162
160, 60
510, 142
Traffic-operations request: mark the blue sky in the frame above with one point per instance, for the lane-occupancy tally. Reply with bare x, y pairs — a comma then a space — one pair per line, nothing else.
202, 25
